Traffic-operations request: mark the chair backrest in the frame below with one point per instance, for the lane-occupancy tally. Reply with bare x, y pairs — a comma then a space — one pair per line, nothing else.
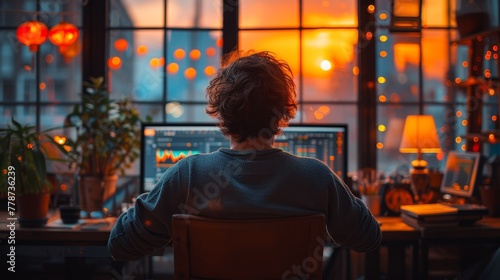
278, 248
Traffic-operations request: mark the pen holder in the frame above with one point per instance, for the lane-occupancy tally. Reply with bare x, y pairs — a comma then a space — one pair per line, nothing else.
372, 202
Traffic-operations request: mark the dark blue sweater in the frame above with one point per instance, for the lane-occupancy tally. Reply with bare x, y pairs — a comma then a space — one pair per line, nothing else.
239, 185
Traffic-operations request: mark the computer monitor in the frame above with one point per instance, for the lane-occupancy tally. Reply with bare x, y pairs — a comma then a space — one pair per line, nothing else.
163, 145
461, 173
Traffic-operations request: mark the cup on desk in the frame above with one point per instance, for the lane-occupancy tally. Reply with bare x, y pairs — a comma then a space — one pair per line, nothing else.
69, 214
372, 201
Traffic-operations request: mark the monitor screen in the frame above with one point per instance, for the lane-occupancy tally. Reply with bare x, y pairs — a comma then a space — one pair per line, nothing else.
163, 145
460, 173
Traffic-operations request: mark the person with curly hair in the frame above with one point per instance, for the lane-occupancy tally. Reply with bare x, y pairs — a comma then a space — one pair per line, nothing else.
253, 98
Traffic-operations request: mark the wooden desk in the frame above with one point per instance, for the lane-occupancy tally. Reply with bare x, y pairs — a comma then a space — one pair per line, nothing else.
70, 253
397, 236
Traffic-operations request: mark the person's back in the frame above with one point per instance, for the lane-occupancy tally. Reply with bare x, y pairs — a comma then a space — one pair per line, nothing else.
252, 98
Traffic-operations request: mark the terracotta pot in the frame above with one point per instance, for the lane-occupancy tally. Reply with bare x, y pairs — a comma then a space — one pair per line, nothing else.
33, 209
95, 190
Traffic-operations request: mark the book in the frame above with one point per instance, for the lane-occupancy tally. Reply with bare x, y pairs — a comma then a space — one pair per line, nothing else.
429, 211
451, 222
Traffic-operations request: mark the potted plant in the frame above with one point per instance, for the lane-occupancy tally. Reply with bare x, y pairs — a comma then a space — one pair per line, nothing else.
106, 143
24, 176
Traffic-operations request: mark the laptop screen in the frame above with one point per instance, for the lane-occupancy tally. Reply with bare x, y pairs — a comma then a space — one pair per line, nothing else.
460, 173
163, 145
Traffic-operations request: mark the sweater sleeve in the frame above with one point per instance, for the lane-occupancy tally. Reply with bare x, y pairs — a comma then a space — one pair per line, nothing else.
146, 227
349, 222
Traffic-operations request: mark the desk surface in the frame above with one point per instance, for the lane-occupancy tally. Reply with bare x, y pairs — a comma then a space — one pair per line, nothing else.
56, 236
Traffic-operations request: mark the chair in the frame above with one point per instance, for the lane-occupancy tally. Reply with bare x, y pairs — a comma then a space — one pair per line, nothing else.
278, 248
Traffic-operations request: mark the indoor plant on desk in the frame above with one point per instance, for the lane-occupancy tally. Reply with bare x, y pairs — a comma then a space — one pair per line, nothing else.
24, 175
107, 142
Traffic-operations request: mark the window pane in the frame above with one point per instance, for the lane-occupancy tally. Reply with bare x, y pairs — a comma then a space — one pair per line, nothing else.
155, 111
436, 65
54, 12
52, 116
268, 13
194, 13
341, 114
25, 114
13, 19
435, 13
397, 67
392, 117
179, 112
128, 13
60, 73
136, 70
17, 74
329, 61
321, 13
192, 58
285, 44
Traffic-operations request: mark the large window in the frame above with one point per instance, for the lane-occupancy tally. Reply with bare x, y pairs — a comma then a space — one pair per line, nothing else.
38, 87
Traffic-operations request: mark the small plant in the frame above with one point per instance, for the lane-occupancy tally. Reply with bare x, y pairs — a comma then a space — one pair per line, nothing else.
22, 154
107, 140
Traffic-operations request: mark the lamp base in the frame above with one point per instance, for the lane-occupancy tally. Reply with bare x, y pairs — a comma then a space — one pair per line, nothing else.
419, 176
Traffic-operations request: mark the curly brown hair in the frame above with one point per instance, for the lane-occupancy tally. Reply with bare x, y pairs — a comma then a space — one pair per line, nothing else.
252, 96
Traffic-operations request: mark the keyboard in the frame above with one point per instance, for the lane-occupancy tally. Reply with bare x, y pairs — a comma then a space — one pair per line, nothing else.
468, 213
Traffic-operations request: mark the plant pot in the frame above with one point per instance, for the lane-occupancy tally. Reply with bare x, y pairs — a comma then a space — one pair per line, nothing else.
95, 190
33, 209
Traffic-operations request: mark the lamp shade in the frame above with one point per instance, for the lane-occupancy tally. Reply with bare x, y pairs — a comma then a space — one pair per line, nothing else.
32, 34
63, 34
420, 135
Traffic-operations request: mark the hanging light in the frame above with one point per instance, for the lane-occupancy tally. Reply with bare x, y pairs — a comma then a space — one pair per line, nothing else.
63, 34
32, 34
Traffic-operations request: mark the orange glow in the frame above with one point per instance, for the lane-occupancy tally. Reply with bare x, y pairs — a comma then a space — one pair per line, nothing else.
383, 38
63, 34
475, 139
114, 63
491, 137
49, 58
142, 50
179, 54
210, 51
495, 48
420, 135
70, 51
42, 86
380, 145
458, 140
219, 42
195, 54
381, 128
121, 45
161, 61
440, 155
172, 68
382, 16
404, 54
209, 70
381, 80
465, 64
370, 9
30, 146
32, 34
149, 132
154, 63
464, 122
382, 98
458, 114
491, 91
369, 35
487, 73
190, 73
383, 54
355, 70
494, 118
463, 147
64, 187
61, 140
457, 80
325, 65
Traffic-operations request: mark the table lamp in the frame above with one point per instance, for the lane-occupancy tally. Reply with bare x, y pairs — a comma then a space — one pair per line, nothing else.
420, 137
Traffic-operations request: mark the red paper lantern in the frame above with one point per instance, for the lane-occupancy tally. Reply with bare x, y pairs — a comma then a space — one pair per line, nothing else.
32, 34
63, 34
